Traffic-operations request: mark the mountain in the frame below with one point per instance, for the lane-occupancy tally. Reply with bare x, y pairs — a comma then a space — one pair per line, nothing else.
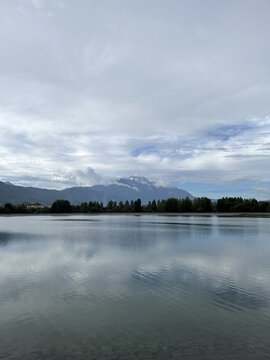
135, 187
122, 189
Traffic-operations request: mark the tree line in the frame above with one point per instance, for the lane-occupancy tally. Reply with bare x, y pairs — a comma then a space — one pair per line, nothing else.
200, 204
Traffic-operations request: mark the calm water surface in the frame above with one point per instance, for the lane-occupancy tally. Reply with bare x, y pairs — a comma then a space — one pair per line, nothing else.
134, 287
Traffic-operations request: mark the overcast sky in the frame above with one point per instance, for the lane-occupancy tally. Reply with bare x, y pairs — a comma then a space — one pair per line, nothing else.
177, 91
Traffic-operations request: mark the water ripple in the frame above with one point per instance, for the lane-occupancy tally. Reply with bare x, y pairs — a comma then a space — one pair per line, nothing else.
129, 288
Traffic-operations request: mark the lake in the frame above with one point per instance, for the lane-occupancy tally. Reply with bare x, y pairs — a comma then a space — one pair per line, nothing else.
134, 287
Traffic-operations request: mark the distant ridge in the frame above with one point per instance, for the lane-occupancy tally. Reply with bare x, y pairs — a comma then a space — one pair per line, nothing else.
121, 189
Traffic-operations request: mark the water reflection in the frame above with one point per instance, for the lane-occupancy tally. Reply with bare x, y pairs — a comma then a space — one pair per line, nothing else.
137, 287
241, 298
4, 238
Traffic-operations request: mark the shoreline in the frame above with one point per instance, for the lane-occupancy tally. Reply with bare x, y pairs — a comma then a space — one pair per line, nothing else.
174, 214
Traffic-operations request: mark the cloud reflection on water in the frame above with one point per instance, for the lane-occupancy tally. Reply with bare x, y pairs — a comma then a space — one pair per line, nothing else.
217, 255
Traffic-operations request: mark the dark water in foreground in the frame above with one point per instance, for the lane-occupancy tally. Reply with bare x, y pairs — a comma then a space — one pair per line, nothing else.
134, 287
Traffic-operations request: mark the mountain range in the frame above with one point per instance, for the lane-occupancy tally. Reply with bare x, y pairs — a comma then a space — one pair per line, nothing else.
121, 189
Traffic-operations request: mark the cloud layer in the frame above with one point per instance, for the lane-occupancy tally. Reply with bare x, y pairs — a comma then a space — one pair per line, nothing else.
175, 91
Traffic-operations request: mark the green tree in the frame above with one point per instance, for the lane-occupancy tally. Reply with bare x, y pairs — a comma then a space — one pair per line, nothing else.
148, 207
9, 208
172, 205
121, 206
127, 207
61, 206
161, 205
202, 204
154, 205
186, 205
84, 207
138, 205
110, 205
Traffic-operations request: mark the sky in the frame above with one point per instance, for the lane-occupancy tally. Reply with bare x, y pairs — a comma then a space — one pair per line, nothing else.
177, 91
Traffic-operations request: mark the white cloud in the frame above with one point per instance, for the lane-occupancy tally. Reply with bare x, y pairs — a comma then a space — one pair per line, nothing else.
264, 191
176, 91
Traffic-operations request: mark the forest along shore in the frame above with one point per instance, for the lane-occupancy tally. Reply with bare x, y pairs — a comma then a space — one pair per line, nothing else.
203, 205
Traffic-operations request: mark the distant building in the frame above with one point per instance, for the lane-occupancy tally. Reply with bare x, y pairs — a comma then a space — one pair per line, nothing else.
30, 205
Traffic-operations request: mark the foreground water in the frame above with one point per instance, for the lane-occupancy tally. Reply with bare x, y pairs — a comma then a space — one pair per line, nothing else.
134, 287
